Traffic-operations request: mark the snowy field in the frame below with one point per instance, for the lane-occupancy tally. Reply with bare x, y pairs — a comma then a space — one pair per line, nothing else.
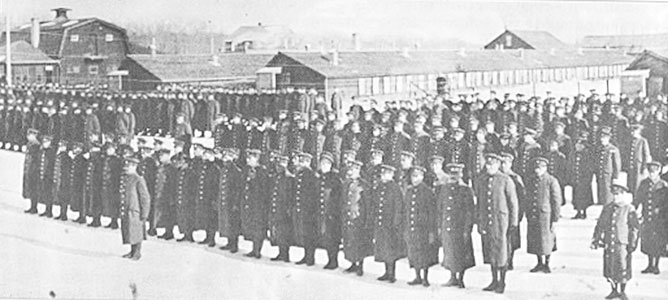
40, 256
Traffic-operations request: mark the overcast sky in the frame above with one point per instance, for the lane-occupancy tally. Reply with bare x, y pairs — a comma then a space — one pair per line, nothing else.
474, 21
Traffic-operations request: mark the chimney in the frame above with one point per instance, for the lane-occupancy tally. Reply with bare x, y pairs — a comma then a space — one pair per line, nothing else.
356, 42
335, 57
34, 32
462, 52
153, 47
61, 13
521, 52
404, 52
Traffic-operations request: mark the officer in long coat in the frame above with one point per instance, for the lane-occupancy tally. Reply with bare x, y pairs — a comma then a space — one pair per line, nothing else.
204, 191
164, 216
185, 206
253, 202
148, 168
229, 214
396, 142
635, 157
515, 236
386, 217
652, 195
93, 185
526, 153
456, 211
112, 168
134, 207
543, 196
45, 164
581, 174
304, 211
607, 165
458, 152
328, 212
497, 215
31, 171
617, 232
419, 219
61, 169
357, 241
281, 202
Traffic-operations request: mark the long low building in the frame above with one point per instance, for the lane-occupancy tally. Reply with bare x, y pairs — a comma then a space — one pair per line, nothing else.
29, 65
146, 72
396, 75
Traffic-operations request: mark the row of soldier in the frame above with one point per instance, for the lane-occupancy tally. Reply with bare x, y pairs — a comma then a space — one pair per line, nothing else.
372, 209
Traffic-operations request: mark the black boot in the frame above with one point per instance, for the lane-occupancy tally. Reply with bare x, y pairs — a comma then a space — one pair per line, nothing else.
212, 239
257, 249
584, 214
495, 281
656, 266
650, 265
232, 244
501, 287
169, 233
539, 265
461, 280
425, 280
33, 207
63, 213
81, 219
137, 254
546, 266
283, 254
387, 275
96, 222
205, 241
417, 280
310, 256
47, 212
453, 280
333, 262
360, 268
392, 278
187, 237
352, 269
131, 253
511, 256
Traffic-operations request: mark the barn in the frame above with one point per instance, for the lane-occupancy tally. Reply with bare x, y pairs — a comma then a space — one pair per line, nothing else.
29, 65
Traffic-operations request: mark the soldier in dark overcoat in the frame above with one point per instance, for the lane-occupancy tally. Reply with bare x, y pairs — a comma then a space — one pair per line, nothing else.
515, 237
395, 142
253, 202
45, 161
73, 172
183, 202
543, 196
31, 171
419, 222
164, 211
458, 152
112, 169
204, 191
61, 167
557, 164
580, 178
134, 206
607, 165
385, 215
229, 188
526, 153
304, 211
357, 242
328, 212
652, 195
456, 211
148, 168
93, 184
280, 205
635, 156
497, 215
617, 233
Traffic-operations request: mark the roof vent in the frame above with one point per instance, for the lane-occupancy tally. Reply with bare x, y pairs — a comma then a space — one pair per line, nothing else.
61, 13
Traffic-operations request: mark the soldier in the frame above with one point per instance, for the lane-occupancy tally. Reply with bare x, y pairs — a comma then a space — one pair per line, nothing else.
112, 168
229, 217
357, 242
636, 157
164, 216
304, 211
557, 164
61, 166
581, 176
395, 142
497, 216
389, 246
280, 203
420, 142
92, 131
656, 132
515, 235
134, 207
185, 206
458, 152
148, 168
617, 232
607, 165
31, 170
436, 177
46, 159
253, 202
543, 196
652, 195
418, 211
93, 185
526, 153
74, 192
328, 212
372, 172
205, 192
402, 175
455, 209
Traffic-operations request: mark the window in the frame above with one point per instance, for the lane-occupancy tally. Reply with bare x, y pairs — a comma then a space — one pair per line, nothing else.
401, 84
364, 86
375, 86
509, 41
74, 38
387, 86
93, 69
108, 37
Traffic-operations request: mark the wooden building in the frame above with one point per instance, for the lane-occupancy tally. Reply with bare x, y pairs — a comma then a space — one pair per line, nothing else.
526, 39
29, 65
656, 62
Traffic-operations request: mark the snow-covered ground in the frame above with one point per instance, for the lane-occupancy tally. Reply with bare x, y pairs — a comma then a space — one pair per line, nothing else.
39, 256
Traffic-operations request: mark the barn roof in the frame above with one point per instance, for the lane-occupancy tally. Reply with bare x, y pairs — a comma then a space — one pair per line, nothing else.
635, 43
24, 53
541, 40
379, 63
183, 68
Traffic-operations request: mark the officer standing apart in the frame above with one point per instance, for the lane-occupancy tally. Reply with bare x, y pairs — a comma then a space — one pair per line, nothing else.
134, 206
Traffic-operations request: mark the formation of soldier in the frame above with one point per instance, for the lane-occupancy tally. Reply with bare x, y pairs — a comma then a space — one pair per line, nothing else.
402, 181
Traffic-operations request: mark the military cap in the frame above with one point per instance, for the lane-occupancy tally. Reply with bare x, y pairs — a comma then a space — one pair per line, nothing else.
454, 167
131, 161
584, 135
108, 145
63, 143
507, 156
492, 156
418, 168
635, 127
281, 157
437, 129
197, 145
541, 160
76, 145
327, 156
47, 137
164, 151
349, 152
355, 163
654, 164
304, 155
436, 158
387, 168
529, 131
376, 151
319, 121
606, 131
282, 112
275, 153
504, 136
33, 131
253, 152
459, 130
620, 182
145, 146
407, 153
141, 141
559, 124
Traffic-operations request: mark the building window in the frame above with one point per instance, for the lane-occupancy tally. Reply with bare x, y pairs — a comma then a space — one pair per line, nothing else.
509, 41
108, 37
387, 86
375, 86
364, 86
74, 38
93, 69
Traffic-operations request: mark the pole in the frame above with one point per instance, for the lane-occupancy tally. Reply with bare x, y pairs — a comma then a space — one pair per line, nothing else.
8, 57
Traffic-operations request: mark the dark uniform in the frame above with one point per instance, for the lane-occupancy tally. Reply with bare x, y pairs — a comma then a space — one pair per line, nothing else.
134, 205
389, 246
581, 178
653, 197
112, 169
456, 210
229, 216
253, 201
419, 215
304, 212
328, 214
280, 206
45, 182
357, 242
607, 163
543, 195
